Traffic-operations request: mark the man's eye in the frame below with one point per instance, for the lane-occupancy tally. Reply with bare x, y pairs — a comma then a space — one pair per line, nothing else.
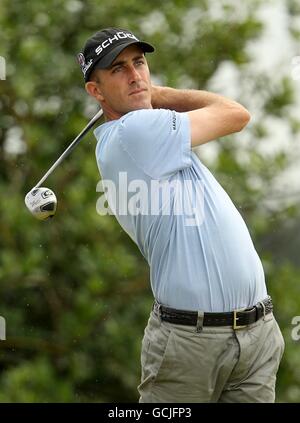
116, 69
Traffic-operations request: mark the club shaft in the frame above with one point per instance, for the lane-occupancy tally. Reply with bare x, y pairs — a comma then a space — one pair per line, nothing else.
70, 148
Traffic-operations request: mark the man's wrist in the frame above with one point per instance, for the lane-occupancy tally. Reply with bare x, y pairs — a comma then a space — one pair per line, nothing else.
156, 97
167, 98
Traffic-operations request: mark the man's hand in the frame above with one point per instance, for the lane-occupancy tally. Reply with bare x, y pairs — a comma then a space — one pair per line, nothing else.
156, 99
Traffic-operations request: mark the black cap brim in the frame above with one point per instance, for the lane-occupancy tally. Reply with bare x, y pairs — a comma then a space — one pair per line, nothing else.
108, 59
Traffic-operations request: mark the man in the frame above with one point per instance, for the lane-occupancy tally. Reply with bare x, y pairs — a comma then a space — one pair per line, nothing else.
211, 336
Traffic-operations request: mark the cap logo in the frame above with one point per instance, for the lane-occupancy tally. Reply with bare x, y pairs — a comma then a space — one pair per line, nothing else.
84, 66
87, 66
81, 59
118, 36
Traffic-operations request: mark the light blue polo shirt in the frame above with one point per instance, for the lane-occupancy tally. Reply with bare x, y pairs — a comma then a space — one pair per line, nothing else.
198, 247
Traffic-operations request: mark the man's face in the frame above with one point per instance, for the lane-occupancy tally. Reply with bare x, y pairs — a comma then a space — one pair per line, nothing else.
125, 86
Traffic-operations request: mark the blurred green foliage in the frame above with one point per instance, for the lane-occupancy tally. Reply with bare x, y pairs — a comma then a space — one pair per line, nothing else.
75, 290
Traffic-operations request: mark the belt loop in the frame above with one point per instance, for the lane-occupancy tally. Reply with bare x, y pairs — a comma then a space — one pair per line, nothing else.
264, 309
200, 318
157, 307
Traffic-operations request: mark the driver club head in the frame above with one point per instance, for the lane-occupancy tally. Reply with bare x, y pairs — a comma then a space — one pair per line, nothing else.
41, 202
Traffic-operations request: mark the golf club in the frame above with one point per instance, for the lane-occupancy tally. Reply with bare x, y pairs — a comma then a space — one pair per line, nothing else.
41, 201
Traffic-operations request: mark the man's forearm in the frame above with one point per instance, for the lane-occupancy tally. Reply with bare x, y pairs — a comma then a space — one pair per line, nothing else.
186, 100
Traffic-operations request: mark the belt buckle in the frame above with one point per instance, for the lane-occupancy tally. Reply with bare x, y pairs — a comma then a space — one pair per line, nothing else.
235, 318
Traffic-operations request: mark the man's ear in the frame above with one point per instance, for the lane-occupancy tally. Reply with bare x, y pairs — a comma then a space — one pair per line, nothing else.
92, 88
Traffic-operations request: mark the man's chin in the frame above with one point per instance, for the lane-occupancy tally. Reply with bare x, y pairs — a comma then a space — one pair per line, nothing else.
139, 105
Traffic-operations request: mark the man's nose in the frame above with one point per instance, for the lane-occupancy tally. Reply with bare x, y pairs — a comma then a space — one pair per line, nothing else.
133, 74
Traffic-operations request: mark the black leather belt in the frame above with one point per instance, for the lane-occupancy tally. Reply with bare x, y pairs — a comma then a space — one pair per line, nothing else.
237, 318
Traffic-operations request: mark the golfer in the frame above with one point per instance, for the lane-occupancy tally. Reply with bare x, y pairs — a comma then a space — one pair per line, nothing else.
211, 335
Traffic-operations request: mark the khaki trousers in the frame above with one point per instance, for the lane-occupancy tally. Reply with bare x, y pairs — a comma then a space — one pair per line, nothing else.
217, 364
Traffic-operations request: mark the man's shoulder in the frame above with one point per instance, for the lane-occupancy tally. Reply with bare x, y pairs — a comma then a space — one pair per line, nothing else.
144, 114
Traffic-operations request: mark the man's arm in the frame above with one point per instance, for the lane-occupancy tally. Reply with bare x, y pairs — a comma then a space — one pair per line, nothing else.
211, 115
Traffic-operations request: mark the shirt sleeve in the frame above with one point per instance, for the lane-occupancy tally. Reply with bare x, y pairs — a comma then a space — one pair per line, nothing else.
158, 141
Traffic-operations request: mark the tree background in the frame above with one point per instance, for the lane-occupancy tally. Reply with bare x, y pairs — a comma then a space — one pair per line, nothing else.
75, 290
